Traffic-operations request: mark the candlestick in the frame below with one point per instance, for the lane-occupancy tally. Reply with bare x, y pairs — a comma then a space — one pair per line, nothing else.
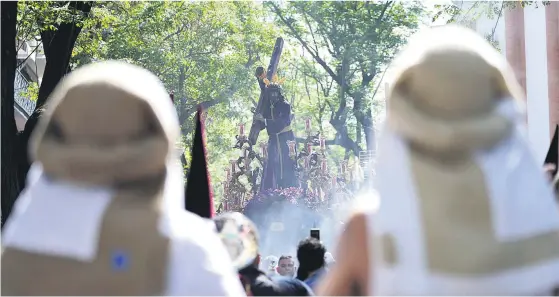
308, 125
322, 143
241, 129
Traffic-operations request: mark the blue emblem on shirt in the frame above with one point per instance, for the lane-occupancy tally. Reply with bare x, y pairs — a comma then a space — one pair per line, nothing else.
119, 261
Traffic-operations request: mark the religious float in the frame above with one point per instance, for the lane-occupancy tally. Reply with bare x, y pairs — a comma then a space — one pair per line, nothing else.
285, 186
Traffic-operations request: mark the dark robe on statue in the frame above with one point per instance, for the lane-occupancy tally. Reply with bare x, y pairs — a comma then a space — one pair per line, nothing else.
279, 170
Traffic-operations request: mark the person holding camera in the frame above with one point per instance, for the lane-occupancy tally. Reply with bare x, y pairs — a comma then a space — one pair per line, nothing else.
312, 265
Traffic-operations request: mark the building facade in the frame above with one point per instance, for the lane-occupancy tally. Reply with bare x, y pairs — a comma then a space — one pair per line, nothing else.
32, 62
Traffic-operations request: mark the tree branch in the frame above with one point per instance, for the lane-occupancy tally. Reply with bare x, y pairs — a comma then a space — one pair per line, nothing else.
315, 56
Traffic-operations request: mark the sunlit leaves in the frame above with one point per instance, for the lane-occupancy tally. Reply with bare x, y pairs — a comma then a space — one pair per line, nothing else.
347, 45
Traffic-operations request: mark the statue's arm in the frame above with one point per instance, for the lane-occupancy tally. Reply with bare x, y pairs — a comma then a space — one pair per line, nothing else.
259, 73
279, 123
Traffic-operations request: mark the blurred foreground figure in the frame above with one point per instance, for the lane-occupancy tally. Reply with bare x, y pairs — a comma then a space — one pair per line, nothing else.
464, 207
239, 235
103, 211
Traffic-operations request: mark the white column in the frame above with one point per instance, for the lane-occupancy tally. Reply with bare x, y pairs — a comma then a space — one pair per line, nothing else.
536, 80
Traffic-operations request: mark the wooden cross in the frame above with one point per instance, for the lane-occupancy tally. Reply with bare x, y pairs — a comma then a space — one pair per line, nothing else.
272, 69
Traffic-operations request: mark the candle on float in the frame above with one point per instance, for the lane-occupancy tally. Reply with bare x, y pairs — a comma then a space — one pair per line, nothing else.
322, 143
291, 145
324, 166
308, 124
264, 150
233, 163
241, 129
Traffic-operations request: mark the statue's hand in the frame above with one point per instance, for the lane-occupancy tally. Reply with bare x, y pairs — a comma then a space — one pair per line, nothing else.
259, 72
259, 117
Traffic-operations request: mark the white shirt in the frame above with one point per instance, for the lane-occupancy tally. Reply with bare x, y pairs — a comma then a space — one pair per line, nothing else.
198, 262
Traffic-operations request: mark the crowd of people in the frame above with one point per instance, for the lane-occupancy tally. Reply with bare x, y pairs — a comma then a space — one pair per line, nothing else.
464, 207
272, 276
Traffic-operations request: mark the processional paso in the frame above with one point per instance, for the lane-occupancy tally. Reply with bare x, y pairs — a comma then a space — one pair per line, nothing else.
284, 169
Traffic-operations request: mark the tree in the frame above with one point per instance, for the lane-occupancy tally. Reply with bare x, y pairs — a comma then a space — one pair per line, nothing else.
456, 12
350, 42
58, 24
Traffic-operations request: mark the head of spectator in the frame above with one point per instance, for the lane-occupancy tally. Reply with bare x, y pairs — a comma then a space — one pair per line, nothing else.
310, 254
286, 266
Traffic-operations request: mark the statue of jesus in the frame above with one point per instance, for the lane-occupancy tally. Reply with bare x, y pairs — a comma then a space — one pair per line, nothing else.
279, 169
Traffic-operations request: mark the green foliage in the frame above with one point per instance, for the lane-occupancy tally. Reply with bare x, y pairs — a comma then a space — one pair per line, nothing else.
32, 92
456, 12
491, 39
35, 17
206, 52
347, 46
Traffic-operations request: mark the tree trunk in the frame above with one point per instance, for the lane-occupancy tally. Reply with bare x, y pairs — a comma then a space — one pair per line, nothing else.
365, 119
58, 45
58, 52
358, 135
369, 128
343, 138
10, 186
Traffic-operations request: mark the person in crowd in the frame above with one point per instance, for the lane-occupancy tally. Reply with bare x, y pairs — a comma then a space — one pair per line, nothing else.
240, 237
103, 211
312, 264
286, 266
464, 208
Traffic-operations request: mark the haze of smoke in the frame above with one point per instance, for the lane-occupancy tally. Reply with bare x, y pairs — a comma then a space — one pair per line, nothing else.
298, 221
